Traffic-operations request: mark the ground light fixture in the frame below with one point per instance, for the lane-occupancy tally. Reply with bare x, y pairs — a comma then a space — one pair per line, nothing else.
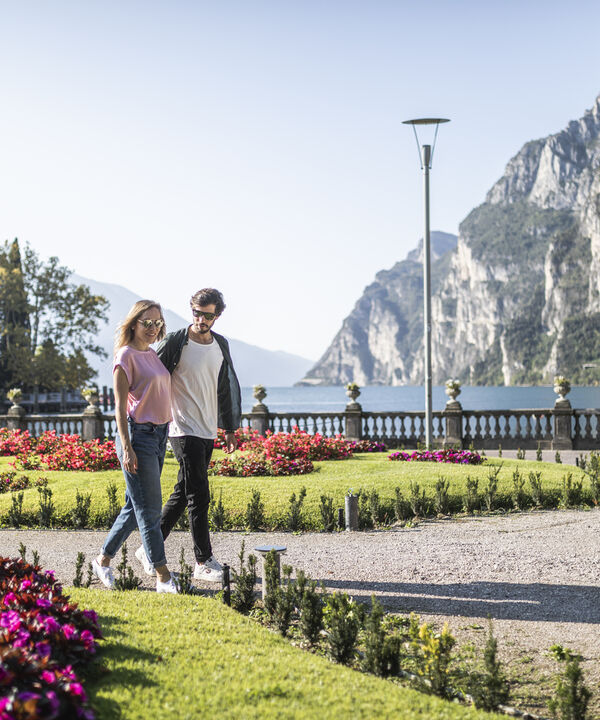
426, 159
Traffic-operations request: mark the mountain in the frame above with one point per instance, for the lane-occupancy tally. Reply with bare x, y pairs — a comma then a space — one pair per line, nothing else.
253, 364
516, 301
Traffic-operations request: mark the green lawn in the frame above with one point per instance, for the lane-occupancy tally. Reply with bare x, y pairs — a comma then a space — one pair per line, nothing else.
367, 471
191, 657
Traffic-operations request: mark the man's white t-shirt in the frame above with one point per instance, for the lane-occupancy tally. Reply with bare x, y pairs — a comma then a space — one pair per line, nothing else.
194, 391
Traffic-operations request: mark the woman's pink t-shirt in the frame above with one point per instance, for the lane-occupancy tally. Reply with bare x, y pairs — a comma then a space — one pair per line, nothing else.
149, 398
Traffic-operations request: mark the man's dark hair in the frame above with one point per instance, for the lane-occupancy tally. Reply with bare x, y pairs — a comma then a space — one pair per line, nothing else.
209, 296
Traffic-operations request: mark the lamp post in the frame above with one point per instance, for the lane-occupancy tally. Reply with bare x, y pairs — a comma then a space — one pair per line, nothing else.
426, 159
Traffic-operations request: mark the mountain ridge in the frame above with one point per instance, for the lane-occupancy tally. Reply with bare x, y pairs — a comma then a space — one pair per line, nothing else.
516, 301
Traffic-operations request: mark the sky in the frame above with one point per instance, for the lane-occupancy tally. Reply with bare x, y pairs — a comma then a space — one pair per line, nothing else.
257, 146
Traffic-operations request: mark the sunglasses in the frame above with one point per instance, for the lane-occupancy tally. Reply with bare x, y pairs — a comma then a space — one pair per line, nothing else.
209, 317
149, 323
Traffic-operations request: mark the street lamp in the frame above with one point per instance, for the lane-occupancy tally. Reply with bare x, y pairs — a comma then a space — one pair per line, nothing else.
426, 158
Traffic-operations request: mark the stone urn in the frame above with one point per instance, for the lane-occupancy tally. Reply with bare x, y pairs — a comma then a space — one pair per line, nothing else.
352, 391
14, 395
562, 387
91, 396
259, 393
452, 389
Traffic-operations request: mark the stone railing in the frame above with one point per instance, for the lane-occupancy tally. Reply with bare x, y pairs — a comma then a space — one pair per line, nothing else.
558, 428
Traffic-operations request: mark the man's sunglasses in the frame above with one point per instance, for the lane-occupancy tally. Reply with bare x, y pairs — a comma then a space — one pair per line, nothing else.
149, 323
209, 317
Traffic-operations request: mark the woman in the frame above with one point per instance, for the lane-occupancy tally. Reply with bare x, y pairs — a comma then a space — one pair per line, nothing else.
143, 411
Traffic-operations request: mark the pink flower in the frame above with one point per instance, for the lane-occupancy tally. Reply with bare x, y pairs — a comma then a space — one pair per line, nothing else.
25, 584
10, 620
76, 688
48, 677
69, 631
43, 603
10, 598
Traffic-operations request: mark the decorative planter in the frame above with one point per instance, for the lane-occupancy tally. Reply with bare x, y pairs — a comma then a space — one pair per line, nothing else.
259, 393
353, 393
562, 390
453, 392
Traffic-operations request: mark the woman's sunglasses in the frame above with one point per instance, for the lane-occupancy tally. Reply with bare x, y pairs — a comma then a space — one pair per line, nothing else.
149, 323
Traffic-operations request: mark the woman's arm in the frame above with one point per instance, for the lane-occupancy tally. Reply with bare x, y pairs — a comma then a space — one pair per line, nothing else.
121, 385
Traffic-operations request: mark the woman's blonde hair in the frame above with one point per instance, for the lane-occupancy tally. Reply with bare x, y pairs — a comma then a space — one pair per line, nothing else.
124, 333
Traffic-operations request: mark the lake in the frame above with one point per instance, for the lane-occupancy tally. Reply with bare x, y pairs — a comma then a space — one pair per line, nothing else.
384, 398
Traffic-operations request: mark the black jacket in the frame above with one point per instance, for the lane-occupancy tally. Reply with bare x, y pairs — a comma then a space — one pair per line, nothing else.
228, 389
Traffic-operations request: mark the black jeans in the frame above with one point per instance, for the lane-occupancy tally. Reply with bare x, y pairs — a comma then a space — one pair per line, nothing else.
193, 455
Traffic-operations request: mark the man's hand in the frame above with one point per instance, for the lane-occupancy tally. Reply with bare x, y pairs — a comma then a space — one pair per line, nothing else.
230, 442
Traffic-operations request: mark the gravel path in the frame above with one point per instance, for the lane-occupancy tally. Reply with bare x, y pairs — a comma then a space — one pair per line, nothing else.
537, 574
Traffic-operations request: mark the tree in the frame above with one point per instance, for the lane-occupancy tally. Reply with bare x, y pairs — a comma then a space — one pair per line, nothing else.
49, 321
15, 358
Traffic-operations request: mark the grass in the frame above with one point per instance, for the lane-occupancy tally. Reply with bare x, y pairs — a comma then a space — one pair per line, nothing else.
367, 471
190, 657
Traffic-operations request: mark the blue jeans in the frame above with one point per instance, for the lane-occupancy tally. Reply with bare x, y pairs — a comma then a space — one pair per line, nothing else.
143, 498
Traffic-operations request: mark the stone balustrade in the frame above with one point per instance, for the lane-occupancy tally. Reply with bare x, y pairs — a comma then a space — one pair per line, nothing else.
558, 428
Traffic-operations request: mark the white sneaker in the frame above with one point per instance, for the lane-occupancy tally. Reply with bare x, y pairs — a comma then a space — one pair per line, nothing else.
104, 574
166, 587
210, 571
140, 554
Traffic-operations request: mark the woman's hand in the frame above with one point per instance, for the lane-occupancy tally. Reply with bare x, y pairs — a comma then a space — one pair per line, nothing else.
130, 462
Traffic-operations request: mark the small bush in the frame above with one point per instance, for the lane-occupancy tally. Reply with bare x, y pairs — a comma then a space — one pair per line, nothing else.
519, 497
217, 514
442, 501
343, 620
16, 516
535, 485
310, 608
491, 489
402, 508
592, 469
571, 698
184, 577
432, 653
327, 513
126, 579
46, 511
114, 508
471, 496
80, 514
382, 652
255, 512
571, 491
557, 458
294, 517
489, 688
520, 454
242, 596
417, 500
538, 453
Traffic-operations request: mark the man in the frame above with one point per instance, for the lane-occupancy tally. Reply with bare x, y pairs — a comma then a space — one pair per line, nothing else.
205, 394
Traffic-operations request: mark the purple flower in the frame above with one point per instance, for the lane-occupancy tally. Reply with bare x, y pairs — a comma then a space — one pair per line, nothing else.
43, 603
51, 625
43, 649
54, 703
91, 615
25, 584
10, 598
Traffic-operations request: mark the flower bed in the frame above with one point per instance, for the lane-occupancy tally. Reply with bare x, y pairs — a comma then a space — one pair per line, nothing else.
43, 638
259, 464
447, 455
57, 452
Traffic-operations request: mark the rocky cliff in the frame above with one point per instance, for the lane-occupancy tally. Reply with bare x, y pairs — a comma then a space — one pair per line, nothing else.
515, 300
